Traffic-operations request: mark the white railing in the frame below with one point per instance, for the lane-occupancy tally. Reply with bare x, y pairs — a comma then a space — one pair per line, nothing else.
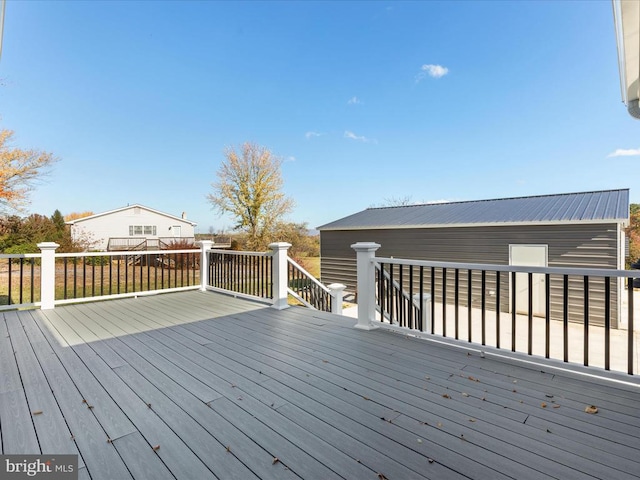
573, 315
304, 287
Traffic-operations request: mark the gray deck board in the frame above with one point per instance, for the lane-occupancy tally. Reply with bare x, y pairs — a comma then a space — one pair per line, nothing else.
454, 439
49, 422
223, 387
82, 422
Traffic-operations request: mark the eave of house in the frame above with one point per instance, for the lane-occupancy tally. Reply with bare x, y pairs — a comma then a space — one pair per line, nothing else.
137, 205
627, 22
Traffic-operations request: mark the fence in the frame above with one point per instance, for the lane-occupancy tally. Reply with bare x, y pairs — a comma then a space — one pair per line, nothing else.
466, 302
48, 278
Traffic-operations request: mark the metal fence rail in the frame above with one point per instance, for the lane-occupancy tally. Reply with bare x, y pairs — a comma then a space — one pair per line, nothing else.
247, 273
19, 280
93, 275
306, 289
466, 302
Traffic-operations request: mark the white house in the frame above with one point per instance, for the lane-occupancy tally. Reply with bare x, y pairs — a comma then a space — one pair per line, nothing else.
132, 227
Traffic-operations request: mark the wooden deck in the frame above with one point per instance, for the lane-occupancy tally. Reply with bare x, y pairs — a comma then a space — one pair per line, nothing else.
199, 385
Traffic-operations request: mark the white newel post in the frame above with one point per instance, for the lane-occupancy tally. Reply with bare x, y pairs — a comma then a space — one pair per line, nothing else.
336, 290
205, 246
48, 275
280, 280
365, 253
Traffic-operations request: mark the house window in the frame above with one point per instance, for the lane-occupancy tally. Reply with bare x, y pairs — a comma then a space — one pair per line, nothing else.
137, 230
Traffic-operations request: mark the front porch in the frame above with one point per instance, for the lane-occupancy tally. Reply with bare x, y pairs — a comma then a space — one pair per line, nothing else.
203, 385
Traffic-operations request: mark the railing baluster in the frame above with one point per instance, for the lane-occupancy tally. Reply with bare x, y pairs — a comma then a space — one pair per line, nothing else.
433, 300
456, 300
33, 263
422, 298
514, 308
9, 302
565, 317
411, 316
402, 321
390, 294
444, 302
630, 327
547, 309
585, 344
75, 278
530, 313
469, 301
21, 278
607, 323
483, 303
497, 309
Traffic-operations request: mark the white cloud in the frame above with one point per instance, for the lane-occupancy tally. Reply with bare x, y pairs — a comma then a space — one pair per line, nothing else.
354, 101
290, 159
309, 135
434, 71
360, 138
432, 202
621, 152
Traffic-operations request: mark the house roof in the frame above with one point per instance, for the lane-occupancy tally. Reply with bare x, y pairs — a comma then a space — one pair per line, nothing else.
594, 207
136, 205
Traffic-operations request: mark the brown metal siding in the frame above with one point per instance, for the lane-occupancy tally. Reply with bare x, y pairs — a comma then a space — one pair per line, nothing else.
586, 245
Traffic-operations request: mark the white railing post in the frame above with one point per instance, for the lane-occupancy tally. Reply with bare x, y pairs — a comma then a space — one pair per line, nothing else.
337, 293
280, 280
205, 246
365, 253
426, 309
48, 275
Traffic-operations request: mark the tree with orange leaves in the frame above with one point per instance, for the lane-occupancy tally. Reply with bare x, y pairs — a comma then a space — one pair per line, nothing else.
19, 170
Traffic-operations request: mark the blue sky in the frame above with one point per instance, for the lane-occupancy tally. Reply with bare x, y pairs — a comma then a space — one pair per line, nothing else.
364, 101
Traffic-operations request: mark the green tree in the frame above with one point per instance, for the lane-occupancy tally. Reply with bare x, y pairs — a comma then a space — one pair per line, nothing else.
633, 233
249, 187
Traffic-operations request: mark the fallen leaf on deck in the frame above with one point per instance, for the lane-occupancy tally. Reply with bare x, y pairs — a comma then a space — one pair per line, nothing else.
439, 425
228, 448
548, 396
156, 448
430, 460
465, 394
36, 412
543, 405
325, 361
591, 409
446, 395
89, 406
472, 419
275, 460
473, 379
366, 398
382, 477
419, 440
556, 406
427, 377
148, 405
109, 440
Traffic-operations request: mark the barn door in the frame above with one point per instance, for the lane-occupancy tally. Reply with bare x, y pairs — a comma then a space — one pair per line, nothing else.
529, 256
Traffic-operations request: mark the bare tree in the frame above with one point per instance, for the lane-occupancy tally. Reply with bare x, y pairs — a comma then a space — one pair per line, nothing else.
249, 187
19, 170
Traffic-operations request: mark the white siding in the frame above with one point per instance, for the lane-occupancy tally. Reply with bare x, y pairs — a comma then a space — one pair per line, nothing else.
100, 228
